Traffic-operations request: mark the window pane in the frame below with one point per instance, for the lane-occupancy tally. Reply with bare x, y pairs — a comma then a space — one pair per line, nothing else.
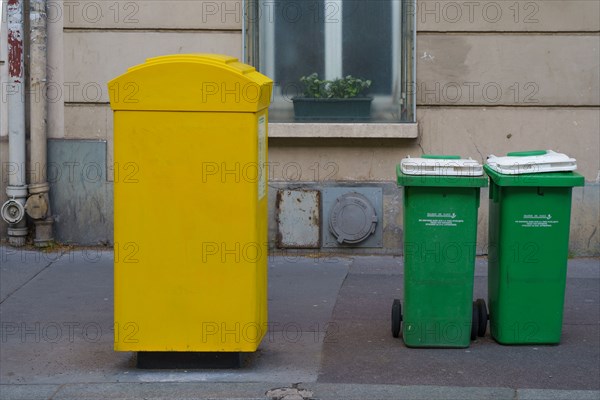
298, 40
367, 49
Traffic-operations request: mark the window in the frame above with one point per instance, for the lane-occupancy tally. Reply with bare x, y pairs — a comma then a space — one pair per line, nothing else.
369, 39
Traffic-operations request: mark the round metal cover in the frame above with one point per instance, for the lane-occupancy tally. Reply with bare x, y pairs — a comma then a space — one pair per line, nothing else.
36, 206
12, 211
352, 219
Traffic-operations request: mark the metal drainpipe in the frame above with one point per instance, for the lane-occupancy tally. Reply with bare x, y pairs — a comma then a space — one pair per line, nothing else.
13, 211
38, 203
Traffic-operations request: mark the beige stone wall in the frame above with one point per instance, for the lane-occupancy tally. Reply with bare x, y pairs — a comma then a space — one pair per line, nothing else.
525, 56
102, 39
501, 16
504, 76
151, 15
507, 69
496, 76
90, 42
492, 76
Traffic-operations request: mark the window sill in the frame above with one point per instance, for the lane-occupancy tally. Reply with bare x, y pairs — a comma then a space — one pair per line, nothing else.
344, 130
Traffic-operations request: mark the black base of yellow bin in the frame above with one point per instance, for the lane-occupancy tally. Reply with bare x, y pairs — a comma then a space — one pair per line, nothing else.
189, 360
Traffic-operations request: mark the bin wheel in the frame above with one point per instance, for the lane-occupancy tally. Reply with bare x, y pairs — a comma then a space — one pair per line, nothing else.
396, 317
475, 321
483, 317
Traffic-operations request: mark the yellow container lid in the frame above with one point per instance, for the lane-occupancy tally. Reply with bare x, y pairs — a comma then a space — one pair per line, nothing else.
191, 82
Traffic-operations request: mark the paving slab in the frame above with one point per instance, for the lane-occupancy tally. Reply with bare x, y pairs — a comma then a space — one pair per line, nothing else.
19, 266
542, 394
303, 292
361, 392
156, 391
59, 326
28, 392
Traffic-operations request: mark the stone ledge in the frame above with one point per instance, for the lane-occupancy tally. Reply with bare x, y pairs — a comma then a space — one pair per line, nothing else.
344, 130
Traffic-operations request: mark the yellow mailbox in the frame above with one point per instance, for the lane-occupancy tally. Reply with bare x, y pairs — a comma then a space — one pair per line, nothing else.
190, 201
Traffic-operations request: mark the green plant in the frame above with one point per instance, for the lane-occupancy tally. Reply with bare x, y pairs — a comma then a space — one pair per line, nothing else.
344, 88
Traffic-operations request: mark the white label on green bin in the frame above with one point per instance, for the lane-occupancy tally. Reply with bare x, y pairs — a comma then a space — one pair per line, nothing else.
262, 157
536, 221
441, 219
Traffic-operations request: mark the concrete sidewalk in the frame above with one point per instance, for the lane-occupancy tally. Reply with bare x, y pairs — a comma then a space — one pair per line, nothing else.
329, 339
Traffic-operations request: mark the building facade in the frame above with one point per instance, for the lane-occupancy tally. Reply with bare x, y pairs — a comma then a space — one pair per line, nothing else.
491, 77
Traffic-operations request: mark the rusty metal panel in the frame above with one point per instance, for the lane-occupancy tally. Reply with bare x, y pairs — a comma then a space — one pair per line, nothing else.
298, 219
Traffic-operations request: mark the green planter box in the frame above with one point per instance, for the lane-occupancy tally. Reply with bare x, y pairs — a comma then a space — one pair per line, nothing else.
357, 108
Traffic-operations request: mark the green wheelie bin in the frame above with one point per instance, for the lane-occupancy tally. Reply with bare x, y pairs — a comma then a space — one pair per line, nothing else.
441, 200
530, 210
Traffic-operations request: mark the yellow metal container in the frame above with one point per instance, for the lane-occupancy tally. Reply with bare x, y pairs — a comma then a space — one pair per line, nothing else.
190, 200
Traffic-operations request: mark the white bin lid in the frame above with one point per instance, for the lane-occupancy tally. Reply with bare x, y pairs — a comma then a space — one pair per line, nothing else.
531, 162
440, 166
